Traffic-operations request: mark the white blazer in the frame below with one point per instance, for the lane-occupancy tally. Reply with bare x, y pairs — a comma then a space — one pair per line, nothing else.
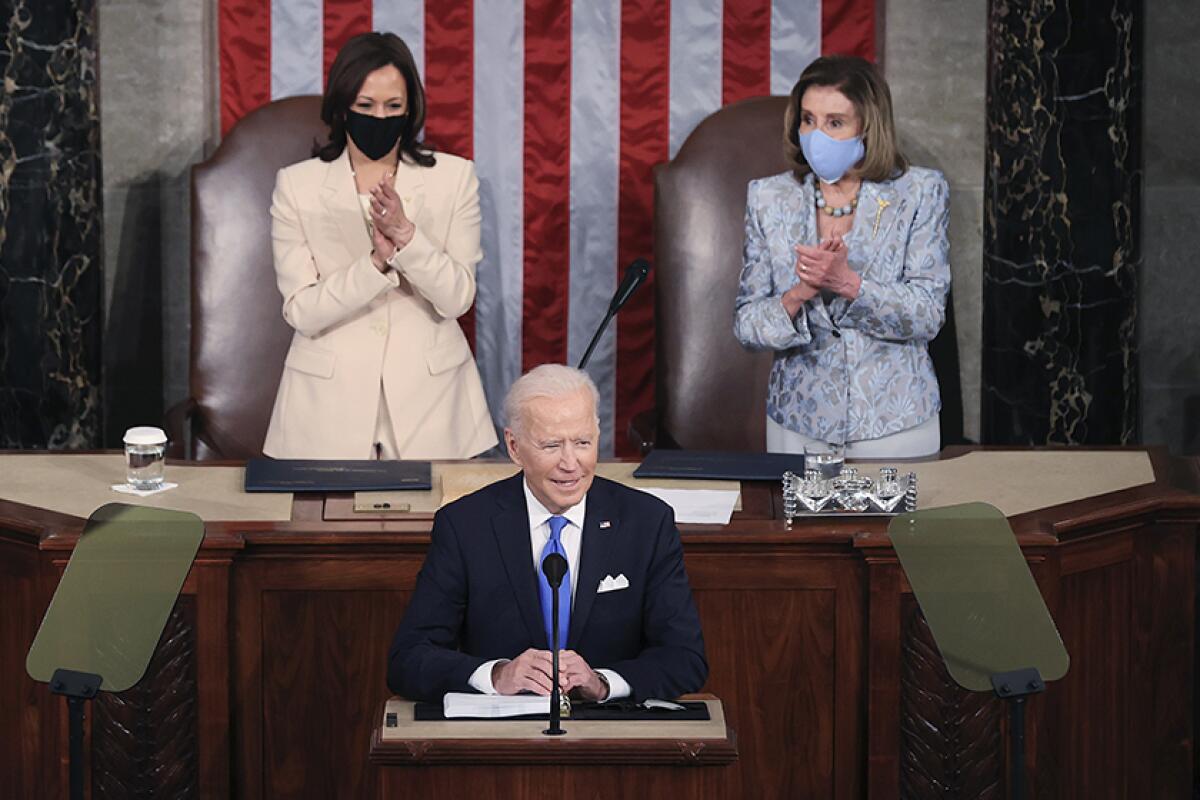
358, 329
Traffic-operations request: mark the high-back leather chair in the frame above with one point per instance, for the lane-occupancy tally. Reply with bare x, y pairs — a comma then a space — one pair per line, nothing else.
711, 393
238, 337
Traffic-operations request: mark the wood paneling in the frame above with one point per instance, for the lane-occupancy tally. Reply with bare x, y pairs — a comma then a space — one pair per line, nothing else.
326, 653
774, 670
1094, 619
563, 783
27, 710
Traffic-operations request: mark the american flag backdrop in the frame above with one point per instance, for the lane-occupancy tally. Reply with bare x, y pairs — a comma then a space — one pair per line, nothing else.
565, 107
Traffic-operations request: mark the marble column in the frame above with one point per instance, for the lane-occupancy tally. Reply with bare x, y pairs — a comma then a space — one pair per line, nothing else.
51, 287
1061, 222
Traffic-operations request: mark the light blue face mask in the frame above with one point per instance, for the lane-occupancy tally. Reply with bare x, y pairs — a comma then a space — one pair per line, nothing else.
830, 158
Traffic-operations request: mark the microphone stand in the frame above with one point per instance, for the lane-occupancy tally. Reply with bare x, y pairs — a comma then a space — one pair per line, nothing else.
635, 276
587, 354
555, 728
554, 576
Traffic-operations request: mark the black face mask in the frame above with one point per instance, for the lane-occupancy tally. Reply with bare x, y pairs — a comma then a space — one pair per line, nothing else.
374, 136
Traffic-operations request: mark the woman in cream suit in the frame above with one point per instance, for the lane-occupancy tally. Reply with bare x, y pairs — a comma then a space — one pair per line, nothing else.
376, 241
845, 275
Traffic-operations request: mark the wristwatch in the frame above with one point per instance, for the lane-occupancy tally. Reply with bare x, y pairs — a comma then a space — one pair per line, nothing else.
607, 686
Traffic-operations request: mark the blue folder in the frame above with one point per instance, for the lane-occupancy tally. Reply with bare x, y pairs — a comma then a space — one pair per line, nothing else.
320, 475
718, 465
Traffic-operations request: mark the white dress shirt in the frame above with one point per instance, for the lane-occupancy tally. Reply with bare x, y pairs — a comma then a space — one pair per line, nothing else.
571, 538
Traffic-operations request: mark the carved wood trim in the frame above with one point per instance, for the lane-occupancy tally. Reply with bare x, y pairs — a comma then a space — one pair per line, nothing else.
951, 743
144, 739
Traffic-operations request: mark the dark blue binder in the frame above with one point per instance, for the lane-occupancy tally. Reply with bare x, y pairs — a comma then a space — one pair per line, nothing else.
713, 464
320, 475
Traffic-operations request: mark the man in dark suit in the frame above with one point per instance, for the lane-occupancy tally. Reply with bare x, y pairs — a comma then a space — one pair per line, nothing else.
477, 620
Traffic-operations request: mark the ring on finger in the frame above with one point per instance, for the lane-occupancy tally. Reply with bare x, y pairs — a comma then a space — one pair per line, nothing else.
383, 213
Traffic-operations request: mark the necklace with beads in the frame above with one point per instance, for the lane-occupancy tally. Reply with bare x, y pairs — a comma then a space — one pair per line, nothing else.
838, 211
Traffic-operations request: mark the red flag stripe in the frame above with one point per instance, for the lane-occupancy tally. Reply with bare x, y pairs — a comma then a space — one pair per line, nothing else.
547, 182
746, 50
343, 19
848, 28
449, 91
645, 141
244, 42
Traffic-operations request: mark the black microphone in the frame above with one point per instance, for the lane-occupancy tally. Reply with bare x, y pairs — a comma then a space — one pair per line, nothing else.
554, 567
635, 276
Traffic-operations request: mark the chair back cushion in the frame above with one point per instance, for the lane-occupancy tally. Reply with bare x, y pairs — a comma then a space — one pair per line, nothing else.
239, 338
711, 394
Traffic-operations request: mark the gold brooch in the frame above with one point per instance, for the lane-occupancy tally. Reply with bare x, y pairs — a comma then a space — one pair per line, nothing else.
879, 215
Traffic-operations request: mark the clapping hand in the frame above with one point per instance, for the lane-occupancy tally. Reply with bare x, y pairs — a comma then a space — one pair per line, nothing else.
826, 267
388, 217
382, 249
808, 287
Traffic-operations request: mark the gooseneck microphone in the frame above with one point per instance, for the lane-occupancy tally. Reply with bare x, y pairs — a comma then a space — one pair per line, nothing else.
554, 567
635, 276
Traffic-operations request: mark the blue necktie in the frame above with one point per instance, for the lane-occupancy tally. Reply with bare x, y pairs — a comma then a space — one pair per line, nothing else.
554, 545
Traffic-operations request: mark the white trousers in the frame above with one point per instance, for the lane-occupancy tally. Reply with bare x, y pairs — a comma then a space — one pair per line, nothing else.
922, 440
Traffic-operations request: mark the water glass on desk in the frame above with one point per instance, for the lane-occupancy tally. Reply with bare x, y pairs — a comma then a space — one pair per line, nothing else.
826, 458
145, 456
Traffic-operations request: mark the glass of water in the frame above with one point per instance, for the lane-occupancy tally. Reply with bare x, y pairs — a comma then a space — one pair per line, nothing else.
145, 455
826, 458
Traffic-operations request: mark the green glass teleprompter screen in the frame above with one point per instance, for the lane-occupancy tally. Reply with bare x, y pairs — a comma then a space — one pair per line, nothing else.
975, 589
116, 593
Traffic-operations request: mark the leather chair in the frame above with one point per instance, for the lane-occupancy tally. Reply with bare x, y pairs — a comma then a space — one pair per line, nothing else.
238, 336
711, 392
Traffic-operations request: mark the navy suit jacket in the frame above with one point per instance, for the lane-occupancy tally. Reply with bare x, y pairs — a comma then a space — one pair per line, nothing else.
476, 597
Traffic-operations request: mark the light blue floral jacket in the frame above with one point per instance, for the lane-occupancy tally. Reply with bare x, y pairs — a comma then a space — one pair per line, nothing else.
858, 369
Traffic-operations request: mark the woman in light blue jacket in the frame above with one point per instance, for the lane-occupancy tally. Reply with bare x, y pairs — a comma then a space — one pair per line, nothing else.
845, 275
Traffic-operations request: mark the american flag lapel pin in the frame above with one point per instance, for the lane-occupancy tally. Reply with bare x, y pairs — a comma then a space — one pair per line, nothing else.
605, 524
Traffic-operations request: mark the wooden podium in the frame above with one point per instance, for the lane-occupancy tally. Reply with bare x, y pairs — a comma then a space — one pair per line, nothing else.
511, 758
270, 676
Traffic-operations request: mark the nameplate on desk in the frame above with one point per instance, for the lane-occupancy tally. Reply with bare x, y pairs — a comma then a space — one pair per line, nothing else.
321, 475
719, 465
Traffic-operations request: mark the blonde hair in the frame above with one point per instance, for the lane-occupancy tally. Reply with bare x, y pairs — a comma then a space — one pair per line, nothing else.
864, 86
548, 380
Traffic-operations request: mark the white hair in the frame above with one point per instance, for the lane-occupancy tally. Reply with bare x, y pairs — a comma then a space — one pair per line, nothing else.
548, 380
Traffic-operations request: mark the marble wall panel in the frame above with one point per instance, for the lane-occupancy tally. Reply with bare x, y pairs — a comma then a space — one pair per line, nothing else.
50, 226
935, 61
1061, 218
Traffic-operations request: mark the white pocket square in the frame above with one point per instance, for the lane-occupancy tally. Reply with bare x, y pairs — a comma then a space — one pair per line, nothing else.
611, 584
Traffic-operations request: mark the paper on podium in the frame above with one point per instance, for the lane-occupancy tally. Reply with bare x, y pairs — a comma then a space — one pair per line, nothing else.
493, 706
699, 506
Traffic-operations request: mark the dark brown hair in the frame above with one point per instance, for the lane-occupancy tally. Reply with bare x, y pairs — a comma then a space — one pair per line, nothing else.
863, 85
357, 59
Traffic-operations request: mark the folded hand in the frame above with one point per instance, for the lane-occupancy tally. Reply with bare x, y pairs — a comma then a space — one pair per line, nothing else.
575, 674
528, 672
